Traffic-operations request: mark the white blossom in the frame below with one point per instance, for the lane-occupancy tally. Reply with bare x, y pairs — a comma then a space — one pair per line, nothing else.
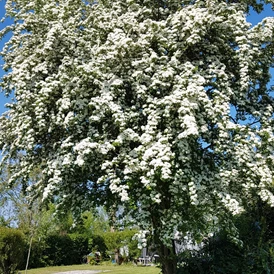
170, 113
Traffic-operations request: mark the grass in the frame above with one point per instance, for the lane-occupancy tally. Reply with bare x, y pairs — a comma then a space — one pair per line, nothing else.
112, 269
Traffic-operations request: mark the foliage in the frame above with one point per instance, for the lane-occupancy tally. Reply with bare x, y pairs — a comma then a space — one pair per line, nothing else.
79, 249
162, 106
98, 244
93, 222
220, 254
64, 250
4, 222
256, 230
118, 239
10, 198
11, 250
36, 256
57, 249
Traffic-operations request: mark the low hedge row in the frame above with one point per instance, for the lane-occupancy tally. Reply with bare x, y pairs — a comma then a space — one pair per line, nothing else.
59, 249
12, 247
53, 250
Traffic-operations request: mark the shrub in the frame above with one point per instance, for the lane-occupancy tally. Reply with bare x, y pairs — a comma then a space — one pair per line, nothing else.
11, 249
97, 243
58, 250
64, 249
36, 255
80, 248
220, 254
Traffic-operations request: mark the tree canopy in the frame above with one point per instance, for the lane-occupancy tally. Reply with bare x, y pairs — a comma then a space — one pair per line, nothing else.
160, 105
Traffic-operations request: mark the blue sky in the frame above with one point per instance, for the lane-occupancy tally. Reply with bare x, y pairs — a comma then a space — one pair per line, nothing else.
3, 99
253, 18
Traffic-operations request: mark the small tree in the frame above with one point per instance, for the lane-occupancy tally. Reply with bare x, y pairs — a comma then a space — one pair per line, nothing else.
11, 249
121, 239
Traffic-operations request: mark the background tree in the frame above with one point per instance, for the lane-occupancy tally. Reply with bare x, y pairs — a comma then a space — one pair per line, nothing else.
220, 254
162, 106
10, 198
122, 240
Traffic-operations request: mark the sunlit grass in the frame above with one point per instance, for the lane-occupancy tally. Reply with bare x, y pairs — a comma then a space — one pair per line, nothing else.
112, 269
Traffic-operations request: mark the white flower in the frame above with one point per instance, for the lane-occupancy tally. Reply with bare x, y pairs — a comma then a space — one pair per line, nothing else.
157, 109
79, 161
190, 127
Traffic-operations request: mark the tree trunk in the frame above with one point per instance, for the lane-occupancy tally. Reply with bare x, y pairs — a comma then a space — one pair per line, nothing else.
168, 259
169, 267
27, 263
117, 256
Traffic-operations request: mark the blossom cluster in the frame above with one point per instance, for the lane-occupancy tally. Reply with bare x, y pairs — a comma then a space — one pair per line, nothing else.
167, 107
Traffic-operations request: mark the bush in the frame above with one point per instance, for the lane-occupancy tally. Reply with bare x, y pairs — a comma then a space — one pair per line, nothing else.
220, 254
11, 249
36, 255
64, 249
58, 250
98, 244
80, 248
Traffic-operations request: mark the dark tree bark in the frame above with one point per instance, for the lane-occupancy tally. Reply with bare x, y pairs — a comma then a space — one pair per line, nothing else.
168, 259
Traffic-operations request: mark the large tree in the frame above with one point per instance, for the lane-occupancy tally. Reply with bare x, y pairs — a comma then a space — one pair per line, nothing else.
160, 105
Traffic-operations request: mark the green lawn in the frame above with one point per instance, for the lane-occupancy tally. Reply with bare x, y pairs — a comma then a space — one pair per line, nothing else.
112, 269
